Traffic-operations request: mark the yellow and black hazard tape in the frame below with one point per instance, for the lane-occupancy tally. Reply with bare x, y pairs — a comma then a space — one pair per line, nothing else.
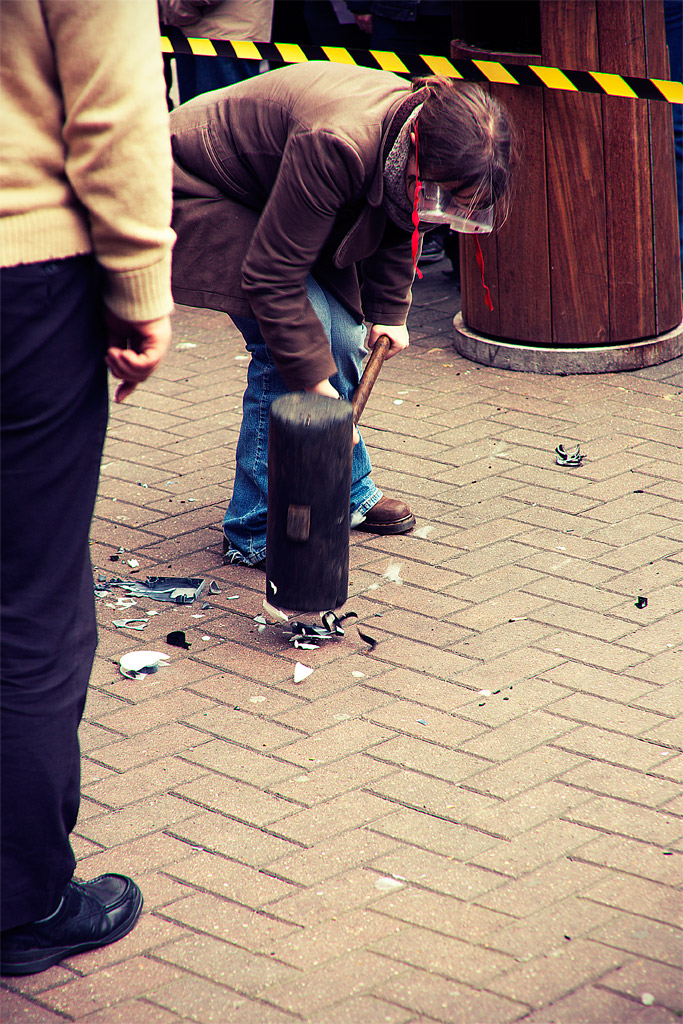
421, 64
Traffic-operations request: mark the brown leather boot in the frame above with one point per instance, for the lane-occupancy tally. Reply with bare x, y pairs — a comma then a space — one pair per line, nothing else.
389, 515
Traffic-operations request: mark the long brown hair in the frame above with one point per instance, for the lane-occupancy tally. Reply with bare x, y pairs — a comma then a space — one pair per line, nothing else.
468, 137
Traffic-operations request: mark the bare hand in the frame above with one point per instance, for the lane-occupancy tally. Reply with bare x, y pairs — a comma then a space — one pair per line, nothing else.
397, 334
364, 22
324, 387
135, 350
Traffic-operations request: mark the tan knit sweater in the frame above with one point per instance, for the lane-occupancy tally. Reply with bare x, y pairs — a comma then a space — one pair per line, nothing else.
85, 159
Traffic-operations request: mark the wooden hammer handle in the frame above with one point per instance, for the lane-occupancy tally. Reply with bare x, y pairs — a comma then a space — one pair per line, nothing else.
372, 368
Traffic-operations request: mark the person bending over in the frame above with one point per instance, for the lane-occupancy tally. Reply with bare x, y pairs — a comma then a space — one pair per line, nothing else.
300, 198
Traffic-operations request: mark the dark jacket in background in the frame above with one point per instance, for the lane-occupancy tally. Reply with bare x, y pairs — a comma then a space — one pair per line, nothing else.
400, 10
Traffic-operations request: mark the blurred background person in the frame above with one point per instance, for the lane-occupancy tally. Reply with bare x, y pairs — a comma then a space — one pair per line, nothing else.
331, 23
216, 19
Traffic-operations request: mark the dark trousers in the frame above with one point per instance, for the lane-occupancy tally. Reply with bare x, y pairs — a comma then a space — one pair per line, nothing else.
197, 75
427, 34
53, 421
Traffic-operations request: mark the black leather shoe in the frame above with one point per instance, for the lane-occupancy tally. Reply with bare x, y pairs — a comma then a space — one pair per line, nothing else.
92, 914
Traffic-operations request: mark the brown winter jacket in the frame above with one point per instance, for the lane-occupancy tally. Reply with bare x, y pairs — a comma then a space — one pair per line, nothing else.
279, 176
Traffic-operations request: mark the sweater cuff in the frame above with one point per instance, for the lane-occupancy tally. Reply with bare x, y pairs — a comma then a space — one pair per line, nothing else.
142, 294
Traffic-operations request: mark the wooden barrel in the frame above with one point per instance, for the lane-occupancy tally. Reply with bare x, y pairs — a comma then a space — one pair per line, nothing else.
585, 275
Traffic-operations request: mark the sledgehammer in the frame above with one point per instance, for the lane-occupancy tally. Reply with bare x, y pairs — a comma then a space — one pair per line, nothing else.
310, 451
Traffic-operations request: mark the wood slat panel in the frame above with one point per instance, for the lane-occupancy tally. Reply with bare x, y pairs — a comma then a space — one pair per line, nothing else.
474, 310
576, 187
628, 187
523, 260
518, 252
667, 262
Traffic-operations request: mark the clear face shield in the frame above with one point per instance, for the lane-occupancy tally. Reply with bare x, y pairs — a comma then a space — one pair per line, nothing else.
435, 205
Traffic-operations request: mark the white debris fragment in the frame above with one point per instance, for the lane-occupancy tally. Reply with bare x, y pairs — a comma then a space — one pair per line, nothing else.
138, 664
138, 624
257, 700
358, 675
484, 693
274, 613
301, 672
393, 572
647, 999
423, 532
184, 345
388, 884
398, 401
133, 563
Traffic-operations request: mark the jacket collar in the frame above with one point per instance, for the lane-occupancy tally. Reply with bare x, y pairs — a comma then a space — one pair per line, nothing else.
394, 121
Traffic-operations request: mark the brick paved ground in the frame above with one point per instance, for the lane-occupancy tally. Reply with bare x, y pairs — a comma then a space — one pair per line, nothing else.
478, 821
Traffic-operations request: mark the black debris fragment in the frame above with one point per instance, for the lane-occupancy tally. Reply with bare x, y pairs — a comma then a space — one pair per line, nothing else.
177, 638
308, 635
296, 632
368, 639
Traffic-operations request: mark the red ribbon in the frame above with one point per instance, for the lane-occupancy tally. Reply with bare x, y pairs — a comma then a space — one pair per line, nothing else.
480, 262
415, 241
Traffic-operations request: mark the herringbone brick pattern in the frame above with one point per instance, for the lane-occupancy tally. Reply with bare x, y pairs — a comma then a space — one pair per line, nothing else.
477, 822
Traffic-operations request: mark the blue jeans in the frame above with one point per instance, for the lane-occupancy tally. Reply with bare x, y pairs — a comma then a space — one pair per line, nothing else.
246, 517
